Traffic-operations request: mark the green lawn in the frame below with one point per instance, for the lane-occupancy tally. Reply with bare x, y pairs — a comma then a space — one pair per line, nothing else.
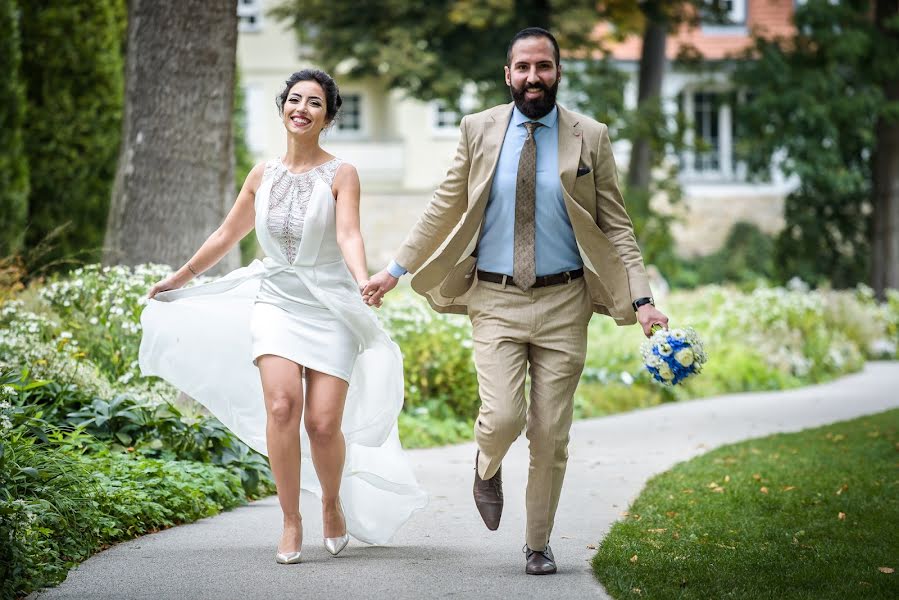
809, 515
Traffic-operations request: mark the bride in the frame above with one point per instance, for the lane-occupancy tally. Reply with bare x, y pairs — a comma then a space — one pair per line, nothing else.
329, 384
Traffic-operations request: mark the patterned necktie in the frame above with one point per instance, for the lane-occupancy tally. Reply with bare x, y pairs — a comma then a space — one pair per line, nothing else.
524, 268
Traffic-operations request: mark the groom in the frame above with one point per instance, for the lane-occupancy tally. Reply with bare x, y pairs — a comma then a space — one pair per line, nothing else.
544, 242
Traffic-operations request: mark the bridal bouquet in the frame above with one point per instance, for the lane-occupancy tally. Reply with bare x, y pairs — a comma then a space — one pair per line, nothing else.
672, 355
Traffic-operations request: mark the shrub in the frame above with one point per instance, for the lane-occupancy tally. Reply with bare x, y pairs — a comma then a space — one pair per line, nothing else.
73, 73
57, 507
746, 257
103, 305
13, 164
440, 376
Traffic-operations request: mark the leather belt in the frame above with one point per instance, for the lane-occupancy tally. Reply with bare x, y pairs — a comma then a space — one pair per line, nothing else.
542, 281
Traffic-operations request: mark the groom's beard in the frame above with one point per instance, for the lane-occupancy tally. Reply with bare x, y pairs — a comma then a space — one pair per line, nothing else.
539, 107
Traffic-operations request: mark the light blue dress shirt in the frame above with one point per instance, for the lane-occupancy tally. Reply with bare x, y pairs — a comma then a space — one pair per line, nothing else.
556, 248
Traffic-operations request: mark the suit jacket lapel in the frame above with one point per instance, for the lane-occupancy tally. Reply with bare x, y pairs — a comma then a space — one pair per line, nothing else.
570, 139
492, 143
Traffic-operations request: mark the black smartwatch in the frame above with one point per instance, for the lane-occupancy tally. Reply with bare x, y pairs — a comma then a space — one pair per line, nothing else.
641, 301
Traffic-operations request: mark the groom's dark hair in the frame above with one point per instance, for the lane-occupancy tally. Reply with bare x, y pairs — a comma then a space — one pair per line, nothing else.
533, 32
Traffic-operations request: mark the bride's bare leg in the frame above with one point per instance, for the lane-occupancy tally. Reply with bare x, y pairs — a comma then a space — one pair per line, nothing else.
325, 399
283, 390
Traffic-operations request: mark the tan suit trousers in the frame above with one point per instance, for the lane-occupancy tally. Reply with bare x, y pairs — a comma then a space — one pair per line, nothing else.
542, 331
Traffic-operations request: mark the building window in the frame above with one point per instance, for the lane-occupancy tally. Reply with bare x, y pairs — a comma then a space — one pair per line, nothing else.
444, 118
705, 129
711, 138
249, 15
734, 11
257, 117
350, 119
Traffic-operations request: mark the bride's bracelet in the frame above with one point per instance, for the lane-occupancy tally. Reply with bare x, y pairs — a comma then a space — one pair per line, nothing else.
191, 269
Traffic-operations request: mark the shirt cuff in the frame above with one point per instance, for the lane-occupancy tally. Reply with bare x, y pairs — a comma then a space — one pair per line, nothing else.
396, 270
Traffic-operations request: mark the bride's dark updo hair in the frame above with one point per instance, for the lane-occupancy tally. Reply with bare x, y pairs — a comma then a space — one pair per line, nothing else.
332, 94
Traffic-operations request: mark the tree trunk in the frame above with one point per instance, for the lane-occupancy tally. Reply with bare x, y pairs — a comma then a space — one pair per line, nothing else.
652, 70
885, 188
175, 182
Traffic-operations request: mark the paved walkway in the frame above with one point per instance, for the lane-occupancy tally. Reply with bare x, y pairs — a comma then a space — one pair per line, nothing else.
444, 551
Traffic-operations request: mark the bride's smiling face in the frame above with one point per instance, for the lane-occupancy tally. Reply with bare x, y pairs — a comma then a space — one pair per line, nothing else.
305, 108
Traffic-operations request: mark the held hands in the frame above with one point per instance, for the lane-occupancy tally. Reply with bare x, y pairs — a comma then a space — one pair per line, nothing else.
365, 297
377, 286
648, 315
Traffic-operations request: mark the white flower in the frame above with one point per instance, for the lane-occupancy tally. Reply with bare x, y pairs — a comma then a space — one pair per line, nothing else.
93, 320
65, 335
627, 378
664, 349
684, 356
665, 372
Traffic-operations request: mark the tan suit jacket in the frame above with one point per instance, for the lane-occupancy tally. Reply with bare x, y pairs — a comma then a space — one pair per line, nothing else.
613, 265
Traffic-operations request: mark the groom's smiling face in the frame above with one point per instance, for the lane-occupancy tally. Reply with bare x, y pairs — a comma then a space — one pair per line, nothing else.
533, 76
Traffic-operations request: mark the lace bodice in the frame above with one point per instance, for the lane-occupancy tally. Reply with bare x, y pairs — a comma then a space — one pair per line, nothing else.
289, 198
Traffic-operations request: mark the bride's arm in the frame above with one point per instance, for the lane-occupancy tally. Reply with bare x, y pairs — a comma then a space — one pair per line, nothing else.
237, 224
349, 236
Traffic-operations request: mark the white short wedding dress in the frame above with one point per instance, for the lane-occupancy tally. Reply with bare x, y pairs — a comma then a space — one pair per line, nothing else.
302, 303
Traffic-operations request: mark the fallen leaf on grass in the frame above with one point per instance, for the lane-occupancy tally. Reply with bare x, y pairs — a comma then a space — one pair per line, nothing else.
634, 558
887, 570
671, 514
763, 490
842, 489
841, 516
789, 488
727, 479
637, 591
660, 530
757, 476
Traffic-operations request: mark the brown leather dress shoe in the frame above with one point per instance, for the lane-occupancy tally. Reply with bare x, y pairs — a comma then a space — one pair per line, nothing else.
488, 496
540, 562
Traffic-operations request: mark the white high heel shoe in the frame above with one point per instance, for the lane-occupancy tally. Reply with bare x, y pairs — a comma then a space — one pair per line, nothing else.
335, 545
290, 558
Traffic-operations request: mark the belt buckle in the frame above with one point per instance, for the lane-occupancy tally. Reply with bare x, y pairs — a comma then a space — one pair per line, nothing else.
567, 277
